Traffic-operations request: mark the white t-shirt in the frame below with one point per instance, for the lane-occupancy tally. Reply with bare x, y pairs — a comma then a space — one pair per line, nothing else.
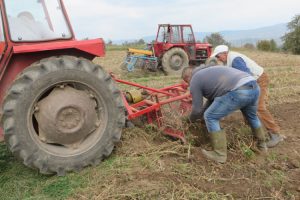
254, 68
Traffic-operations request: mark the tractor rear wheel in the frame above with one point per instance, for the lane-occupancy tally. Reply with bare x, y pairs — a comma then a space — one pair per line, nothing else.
175, 60
62, 114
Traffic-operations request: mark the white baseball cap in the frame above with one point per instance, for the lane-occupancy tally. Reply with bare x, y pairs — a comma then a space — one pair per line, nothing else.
219, 49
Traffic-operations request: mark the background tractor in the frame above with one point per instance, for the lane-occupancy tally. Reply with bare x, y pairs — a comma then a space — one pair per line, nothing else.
59, 111
175, 47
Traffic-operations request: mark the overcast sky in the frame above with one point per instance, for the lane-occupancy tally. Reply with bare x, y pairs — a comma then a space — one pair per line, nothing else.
134, 19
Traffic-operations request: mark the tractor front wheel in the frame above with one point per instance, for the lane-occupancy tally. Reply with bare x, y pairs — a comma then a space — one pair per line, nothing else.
62, 114
174, 61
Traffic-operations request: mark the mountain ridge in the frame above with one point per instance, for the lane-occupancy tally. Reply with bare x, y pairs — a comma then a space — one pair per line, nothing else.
235, 37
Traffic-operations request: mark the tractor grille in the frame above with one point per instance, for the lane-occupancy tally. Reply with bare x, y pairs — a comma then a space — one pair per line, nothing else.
201, 54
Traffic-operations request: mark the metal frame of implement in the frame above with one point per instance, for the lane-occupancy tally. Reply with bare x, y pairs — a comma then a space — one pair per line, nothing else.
151, 106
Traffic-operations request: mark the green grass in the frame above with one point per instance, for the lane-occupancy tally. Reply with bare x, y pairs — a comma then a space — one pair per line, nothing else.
20, 182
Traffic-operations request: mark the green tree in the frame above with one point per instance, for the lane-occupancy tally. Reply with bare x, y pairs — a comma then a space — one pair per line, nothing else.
249, 46
273, 45
215, 39
266, 45
292, 38
140, 41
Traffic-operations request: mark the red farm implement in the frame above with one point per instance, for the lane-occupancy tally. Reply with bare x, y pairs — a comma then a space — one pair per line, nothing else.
176, 97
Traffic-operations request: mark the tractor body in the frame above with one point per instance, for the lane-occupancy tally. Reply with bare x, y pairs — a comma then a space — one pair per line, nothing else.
175, 48
59, 111
19, 48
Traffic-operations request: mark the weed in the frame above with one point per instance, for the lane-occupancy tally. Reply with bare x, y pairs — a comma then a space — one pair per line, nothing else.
149, 128
274, 178
248, 153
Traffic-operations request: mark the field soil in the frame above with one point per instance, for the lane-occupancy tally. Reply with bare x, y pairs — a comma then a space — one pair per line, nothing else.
247, 174
148, 165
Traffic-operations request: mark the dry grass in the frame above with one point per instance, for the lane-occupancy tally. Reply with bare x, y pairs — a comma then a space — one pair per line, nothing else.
272, 60
165, 169
148, 165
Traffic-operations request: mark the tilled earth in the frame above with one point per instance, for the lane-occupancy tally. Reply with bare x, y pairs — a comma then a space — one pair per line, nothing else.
151, 166
148, 165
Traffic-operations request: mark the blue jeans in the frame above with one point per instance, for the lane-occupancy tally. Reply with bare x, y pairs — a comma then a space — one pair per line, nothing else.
245, 100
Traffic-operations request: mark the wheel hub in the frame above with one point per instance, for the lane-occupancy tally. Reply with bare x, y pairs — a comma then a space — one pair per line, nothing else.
69, 119
66, 116
176, 62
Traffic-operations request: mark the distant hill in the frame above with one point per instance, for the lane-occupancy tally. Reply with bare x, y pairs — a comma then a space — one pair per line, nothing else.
238, 37
241, 37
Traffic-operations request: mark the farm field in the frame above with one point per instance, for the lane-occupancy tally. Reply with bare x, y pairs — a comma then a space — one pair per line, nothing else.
148, 165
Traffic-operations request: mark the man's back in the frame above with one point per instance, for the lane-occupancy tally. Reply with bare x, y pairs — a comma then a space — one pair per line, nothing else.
215, 81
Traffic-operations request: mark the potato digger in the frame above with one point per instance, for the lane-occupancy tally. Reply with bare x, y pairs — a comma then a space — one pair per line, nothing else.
60, 112
175, 48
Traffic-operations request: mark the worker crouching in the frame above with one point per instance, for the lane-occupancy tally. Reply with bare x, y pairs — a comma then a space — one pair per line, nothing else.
226, 90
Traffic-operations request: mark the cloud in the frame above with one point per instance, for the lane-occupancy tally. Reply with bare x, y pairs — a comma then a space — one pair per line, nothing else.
116, 19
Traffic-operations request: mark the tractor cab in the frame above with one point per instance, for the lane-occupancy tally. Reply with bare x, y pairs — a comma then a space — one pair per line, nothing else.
28, 24
175, 34
169, 36
180, 36
36, 20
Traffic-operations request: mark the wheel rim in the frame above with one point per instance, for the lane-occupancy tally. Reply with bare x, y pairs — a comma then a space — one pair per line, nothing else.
68, 119
176, 62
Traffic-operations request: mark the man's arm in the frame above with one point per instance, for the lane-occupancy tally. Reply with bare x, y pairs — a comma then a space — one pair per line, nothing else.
197, 103
239, 63
199, 115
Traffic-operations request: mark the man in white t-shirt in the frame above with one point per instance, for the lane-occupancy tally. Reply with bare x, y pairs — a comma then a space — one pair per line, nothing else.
244, 63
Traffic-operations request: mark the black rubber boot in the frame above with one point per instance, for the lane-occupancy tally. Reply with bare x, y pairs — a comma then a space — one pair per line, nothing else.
259, 134
219, 144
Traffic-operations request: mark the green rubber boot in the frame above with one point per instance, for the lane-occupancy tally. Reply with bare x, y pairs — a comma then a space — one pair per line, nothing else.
259, 134
219, 144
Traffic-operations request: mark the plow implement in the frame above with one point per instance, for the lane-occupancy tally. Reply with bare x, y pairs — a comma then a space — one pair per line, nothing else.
153, 106
138, 58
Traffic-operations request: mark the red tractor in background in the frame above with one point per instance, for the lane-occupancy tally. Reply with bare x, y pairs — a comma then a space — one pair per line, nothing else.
59, 111
175, 48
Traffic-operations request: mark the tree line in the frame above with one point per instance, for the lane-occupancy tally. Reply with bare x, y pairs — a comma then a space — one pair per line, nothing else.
291, 40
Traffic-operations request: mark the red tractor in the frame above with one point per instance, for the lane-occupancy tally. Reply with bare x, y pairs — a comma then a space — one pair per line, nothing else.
59, 111
175, 47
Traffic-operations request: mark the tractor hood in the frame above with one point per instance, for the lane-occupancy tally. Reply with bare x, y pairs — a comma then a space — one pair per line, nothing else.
203, 45
95, 47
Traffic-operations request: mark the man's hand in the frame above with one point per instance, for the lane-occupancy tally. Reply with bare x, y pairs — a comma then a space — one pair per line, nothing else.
195, 117
189, 120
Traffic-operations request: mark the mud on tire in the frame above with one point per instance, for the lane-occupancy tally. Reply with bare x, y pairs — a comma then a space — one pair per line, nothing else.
174, 61
22, 130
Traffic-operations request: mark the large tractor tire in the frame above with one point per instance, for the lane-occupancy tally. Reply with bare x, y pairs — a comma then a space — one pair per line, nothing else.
212, 62
62, 114
174, 61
